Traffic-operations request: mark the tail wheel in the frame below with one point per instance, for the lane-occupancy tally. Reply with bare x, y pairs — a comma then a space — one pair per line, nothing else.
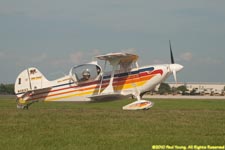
21, 104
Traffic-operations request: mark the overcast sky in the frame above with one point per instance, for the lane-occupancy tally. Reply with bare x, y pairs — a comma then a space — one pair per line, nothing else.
54, 35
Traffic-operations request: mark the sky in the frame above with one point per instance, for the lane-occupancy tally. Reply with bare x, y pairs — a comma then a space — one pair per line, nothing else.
55, 35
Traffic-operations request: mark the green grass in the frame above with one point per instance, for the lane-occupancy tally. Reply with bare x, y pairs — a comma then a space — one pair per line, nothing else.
105, 126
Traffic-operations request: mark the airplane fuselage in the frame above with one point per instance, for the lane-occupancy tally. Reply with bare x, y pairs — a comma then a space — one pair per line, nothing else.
126, 83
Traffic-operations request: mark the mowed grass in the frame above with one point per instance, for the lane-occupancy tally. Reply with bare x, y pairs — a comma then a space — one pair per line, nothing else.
104, 125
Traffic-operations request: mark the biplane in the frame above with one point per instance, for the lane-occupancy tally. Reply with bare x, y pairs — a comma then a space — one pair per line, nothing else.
91, 82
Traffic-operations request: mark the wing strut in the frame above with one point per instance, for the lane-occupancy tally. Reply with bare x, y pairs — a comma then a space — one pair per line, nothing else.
109, 89
102, 77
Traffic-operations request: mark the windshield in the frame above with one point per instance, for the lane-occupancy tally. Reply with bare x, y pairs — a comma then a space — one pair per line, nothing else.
86, 72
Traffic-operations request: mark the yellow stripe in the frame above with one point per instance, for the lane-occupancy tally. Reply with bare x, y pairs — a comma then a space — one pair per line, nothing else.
36, 78
68, 96
128, 86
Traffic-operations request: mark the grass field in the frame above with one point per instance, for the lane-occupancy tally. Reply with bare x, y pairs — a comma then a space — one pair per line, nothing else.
105, 126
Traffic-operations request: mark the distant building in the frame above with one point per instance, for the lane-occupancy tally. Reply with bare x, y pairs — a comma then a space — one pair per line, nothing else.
201, 88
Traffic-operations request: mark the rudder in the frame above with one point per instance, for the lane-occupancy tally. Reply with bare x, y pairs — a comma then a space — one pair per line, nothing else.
29, 80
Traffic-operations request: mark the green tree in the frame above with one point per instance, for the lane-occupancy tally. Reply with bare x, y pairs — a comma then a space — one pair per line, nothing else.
2, 89
10, 88
182, 88
174, 90
7, 89
164, 88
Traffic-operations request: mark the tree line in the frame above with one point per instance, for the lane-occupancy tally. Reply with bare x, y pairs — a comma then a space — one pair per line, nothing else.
165, 88
6, 89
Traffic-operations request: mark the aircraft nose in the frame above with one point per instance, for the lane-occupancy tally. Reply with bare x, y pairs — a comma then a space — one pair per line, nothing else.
179, 67
176, 67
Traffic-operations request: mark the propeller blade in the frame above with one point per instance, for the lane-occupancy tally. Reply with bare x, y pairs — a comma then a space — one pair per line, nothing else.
175, 75
171, 54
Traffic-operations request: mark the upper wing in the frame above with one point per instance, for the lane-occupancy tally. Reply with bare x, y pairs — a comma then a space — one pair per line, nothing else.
121, 57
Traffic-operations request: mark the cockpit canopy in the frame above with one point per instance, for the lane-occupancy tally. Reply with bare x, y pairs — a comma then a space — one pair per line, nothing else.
85, 72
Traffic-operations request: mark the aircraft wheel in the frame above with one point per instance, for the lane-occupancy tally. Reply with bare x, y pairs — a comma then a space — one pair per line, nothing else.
25, 107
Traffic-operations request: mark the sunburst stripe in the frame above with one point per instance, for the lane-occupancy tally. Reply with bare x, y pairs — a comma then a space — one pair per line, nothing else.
95, 89
88, 93
117, 82
120, 76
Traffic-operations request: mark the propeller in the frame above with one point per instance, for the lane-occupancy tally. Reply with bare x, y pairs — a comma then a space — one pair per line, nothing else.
171, 54
173, 66
175, 75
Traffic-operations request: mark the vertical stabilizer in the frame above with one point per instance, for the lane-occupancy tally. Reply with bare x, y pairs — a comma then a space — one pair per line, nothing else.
29, 80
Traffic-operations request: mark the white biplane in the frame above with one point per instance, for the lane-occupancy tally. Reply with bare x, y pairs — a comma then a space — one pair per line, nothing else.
91, 82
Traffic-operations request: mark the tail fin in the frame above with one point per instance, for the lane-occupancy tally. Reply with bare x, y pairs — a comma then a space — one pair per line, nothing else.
29, 80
